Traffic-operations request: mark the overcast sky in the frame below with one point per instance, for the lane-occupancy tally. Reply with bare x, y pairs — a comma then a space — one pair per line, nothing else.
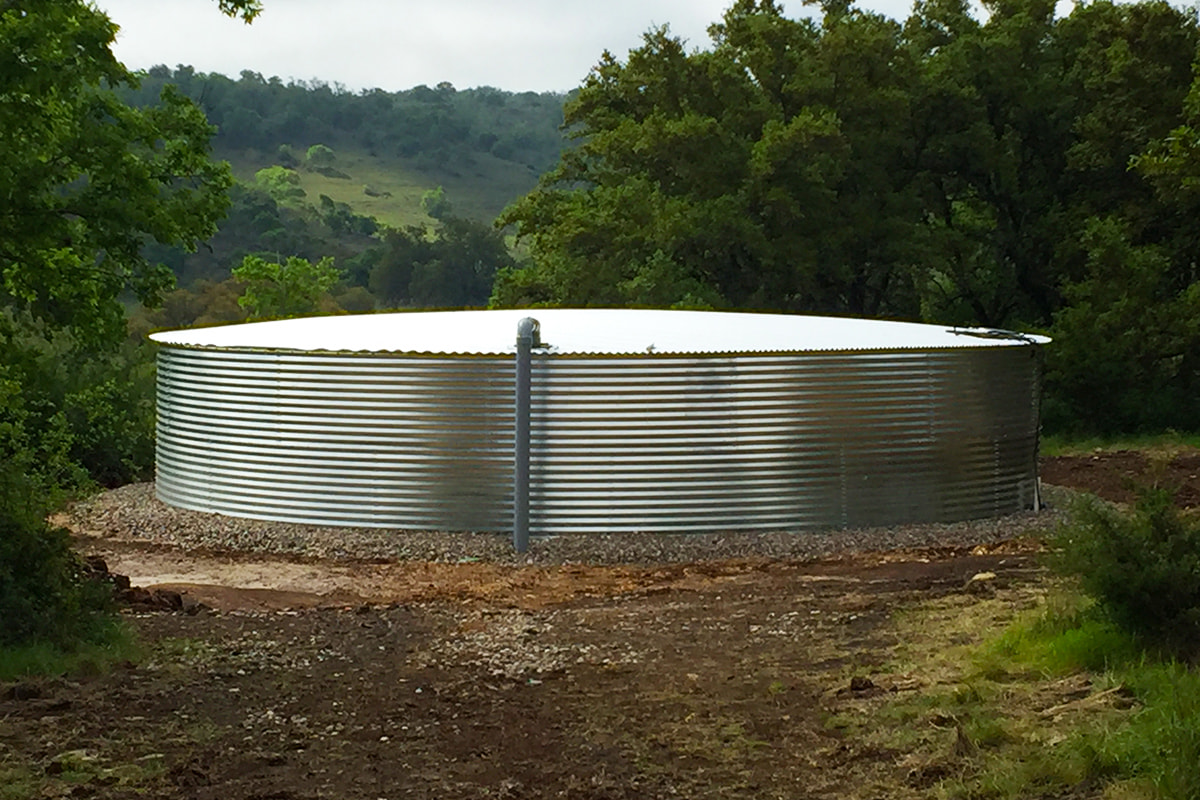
518, 45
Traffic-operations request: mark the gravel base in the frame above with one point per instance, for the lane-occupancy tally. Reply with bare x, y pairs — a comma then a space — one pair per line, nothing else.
132, 513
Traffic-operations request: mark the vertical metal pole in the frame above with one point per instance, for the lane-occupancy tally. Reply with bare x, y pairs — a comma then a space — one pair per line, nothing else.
528, 338
1038, 370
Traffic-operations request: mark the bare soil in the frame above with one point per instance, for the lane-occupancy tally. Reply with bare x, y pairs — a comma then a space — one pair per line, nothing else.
596, 682
323, 678
1119, 475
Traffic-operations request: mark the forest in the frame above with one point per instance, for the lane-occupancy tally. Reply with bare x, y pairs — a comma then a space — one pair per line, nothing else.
1026, 171
1013, 169
442, 125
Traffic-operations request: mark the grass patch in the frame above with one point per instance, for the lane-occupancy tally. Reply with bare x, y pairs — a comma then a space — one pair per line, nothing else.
1168, 442
477, 190
1065, 635
78, 772
1146, 745
1160, 745
18, 782
115, 644
1059, 701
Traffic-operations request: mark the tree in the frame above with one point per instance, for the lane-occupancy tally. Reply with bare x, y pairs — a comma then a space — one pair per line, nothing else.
994, 122
1127, 350
1027, 126
87, 180
293, 288
1127, 353
772, 171
320, 155
342, 220
453, 265
281, 183
87, 183
435, 204
247, 10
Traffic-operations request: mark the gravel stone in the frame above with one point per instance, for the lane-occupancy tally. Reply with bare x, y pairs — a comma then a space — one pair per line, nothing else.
132, 513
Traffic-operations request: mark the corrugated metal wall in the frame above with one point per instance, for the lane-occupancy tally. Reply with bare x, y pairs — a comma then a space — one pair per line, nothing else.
787, 442
337, 439
652, 443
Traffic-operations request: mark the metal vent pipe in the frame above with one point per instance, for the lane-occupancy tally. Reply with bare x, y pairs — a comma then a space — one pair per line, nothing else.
528, 337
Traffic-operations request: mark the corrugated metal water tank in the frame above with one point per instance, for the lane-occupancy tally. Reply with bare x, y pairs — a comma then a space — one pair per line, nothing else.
640, 420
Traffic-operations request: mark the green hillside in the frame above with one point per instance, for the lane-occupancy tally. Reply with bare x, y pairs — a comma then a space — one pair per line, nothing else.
484, 146
389, 187
327, 173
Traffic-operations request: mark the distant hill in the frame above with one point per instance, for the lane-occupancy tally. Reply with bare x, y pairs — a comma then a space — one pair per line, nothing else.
326, 172
485, 146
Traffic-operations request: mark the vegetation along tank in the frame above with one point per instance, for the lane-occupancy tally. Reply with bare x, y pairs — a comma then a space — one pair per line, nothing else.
637, 420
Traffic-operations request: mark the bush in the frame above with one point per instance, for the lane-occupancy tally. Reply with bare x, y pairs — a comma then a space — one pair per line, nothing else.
71, 416
1142, 567
46, 593
319, 155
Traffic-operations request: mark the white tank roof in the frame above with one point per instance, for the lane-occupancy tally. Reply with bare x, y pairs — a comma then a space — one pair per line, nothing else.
570, 331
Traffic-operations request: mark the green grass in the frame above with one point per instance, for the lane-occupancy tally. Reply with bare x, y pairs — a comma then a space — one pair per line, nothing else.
1150, 749
478, 188
23, 779
18, 782
116, 644
1065, 636
1057, 445
1051, 701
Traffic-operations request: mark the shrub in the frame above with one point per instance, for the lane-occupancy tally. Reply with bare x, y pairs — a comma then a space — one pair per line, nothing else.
319, 155
46, 593
1142, 567
71, 416
435, 204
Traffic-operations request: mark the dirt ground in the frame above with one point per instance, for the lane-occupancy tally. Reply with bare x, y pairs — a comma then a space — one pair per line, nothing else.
1118, 475
333, 679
